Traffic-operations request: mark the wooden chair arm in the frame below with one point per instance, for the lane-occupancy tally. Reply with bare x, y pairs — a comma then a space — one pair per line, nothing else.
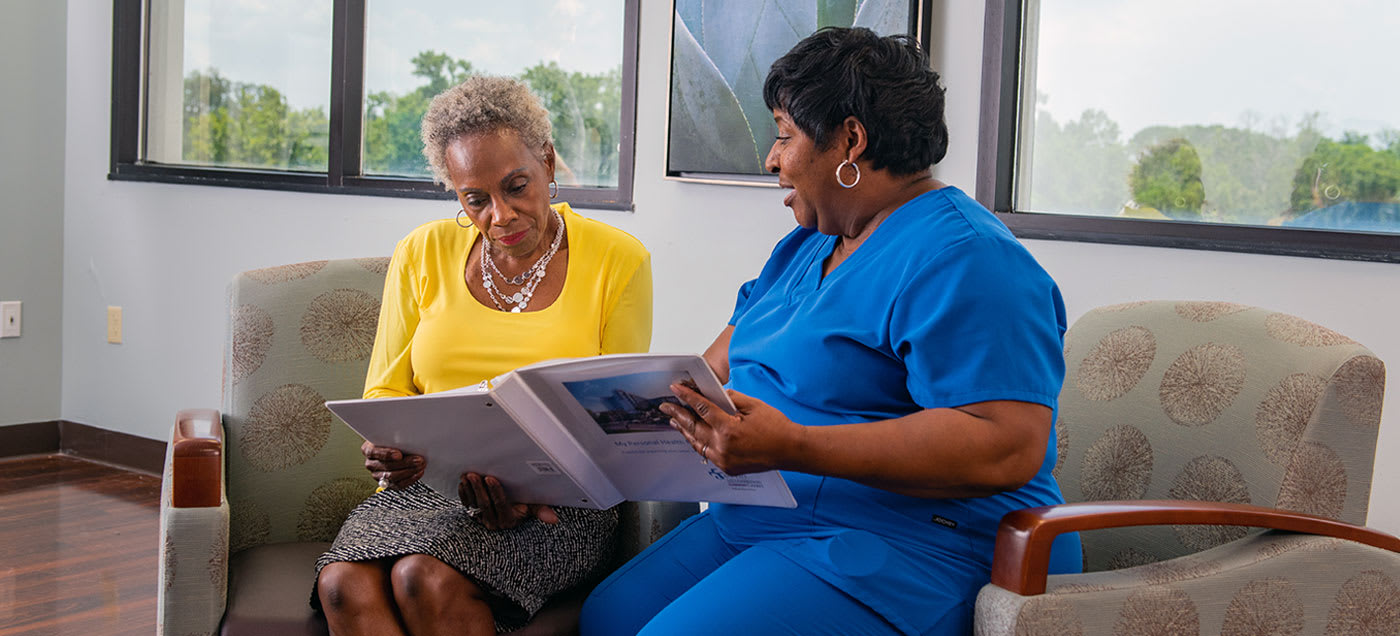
197, 448
1022, 554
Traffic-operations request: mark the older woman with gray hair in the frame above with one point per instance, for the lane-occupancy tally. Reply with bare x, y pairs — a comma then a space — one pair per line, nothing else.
511, 280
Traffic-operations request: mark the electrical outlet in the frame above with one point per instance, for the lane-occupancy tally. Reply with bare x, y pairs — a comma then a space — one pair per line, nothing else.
10, 319
114, 324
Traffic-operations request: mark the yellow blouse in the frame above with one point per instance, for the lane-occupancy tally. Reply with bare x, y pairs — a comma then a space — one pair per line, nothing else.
434, 336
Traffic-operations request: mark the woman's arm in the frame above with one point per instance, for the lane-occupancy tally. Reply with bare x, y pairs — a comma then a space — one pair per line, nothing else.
390, 372
718, 354
627, 326
970, 451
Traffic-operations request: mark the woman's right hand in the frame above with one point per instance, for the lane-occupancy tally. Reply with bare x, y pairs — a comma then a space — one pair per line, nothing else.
392, 466
486, 499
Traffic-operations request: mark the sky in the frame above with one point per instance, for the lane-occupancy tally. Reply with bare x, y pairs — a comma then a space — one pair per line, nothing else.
288, 44
1230, 62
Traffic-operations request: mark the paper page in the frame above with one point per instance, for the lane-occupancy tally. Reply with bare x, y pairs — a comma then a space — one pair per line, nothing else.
542, 425
459, 431
609, 405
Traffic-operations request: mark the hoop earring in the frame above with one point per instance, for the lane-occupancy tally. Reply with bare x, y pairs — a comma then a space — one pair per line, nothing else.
553, 189
458, 219
838, 174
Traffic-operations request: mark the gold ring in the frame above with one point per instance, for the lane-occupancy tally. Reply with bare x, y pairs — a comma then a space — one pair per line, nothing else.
705, 448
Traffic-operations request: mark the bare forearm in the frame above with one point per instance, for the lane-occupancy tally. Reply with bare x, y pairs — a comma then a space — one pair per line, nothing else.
717, 356
934, 453
974, 450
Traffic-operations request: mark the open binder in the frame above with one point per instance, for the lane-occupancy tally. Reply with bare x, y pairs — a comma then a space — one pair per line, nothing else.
582, 432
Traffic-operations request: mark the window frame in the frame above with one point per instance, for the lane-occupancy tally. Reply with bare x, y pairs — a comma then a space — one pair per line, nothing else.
999, 123
344, 174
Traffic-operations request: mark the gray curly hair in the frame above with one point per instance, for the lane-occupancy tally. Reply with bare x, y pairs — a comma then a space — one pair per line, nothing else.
482, 104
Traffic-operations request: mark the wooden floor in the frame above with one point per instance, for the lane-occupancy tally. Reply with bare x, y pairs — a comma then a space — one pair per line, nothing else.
77, 548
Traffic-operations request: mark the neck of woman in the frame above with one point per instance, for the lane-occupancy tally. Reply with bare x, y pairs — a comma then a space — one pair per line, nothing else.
887, 194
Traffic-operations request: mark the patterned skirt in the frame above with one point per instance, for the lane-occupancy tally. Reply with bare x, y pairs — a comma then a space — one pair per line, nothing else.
519, 568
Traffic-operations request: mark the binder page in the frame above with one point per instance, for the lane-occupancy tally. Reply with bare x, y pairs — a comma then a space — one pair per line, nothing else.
609, 405
542, 425
460, 431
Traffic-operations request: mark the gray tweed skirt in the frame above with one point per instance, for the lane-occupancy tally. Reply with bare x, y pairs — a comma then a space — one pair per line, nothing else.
520, 568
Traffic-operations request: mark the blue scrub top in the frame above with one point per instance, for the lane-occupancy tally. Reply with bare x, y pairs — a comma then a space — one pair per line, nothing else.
939, 307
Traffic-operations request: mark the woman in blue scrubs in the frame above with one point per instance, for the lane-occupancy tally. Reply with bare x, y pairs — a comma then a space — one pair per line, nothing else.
898, 359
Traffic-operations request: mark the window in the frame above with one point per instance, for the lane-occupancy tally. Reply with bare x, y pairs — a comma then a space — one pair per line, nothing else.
328, 96
1259, 127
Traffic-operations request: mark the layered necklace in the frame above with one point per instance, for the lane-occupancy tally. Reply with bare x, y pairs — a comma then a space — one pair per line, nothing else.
527, 280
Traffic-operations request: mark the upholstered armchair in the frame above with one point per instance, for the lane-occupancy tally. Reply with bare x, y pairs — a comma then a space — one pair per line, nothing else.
254, 494
1218, 458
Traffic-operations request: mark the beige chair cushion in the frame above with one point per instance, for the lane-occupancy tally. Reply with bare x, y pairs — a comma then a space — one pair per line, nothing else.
1214, 401
1267, 583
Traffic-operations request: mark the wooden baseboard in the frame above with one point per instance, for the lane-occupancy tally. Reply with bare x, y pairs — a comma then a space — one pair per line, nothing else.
88, 442
34, 438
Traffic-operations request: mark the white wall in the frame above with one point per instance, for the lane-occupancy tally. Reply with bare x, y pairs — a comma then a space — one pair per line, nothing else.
165, 252
31, 205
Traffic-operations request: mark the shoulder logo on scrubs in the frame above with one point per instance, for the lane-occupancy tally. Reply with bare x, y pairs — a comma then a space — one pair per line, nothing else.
944, 521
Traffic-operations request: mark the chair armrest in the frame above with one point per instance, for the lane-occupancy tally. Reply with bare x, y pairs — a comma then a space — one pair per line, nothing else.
197, 470
192, 570
643, 522
1024, 537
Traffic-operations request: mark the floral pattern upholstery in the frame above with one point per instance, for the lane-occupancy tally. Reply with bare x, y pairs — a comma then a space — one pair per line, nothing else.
1214, 401
297, 335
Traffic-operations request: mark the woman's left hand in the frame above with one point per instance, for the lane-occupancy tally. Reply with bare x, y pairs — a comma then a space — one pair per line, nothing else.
754, 439
495, 510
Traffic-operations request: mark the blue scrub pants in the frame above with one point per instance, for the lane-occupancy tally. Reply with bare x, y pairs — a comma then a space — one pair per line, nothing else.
692, 581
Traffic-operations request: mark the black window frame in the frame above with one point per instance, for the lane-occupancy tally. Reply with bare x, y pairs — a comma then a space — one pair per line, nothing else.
996, 179
344, 173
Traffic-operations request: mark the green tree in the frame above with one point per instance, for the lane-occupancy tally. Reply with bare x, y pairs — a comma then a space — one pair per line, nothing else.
1167, 177
1246, 172
1390, 140
584, 111
1345, 170
229, 123
392, 144
1077, 167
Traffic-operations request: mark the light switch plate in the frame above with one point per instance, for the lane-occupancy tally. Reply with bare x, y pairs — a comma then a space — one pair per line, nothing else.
11, 319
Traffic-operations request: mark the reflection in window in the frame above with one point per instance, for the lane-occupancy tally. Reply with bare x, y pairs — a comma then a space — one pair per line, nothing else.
1273, 114
572, 60
236, 83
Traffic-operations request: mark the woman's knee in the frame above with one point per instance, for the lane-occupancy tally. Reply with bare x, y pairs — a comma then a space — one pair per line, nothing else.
345, 587
423, 579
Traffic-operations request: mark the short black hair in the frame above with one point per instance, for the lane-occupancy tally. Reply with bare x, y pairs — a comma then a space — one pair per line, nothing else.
885, 82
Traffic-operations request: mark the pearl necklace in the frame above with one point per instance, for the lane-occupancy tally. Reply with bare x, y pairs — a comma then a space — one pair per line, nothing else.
530, 278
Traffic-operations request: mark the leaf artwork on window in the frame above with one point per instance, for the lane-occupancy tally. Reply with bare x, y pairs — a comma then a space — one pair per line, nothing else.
721, 52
